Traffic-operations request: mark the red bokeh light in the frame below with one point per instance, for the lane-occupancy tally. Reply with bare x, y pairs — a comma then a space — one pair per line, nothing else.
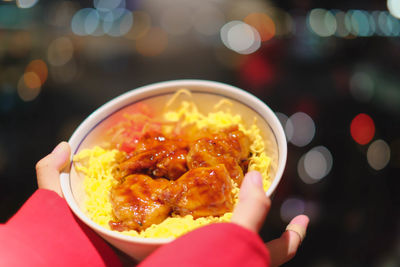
362, 129
256, 71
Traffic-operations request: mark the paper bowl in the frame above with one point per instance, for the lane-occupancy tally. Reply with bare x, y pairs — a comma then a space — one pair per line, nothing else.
205, 94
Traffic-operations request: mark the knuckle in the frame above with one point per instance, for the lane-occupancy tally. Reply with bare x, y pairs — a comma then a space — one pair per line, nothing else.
42, 164
263, 200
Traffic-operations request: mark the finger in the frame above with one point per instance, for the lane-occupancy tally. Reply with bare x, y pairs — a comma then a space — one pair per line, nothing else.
48, 168
284, 248
253, 203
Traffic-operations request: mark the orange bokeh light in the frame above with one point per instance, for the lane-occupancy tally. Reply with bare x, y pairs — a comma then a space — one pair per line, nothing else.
153, 43
263, 24
362, 129
38, 67
32, 80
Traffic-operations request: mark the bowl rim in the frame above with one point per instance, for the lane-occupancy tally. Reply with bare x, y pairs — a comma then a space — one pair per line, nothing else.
138, 94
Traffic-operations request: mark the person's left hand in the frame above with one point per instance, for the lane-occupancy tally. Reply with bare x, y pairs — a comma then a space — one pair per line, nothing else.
251, 211
48, 168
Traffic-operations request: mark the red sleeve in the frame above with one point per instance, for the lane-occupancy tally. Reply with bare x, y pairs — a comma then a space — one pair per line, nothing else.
44, 232
221, 244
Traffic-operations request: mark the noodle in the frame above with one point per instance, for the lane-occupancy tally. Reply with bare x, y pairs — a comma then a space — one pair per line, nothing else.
98, 165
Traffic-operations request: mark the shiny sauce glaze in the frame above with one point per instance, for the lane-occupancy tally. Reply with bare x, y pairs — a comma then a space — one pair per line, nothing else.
183, 176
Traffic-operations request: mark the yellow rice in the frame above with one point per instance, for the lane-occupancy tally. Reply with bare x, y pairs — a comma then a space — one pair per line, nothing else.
99, 164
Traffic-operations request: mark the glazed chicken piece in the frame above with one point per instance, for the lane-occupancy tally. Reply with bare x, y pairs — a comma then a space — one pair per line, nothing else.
202, 192
231, 148
158, 156
137, 202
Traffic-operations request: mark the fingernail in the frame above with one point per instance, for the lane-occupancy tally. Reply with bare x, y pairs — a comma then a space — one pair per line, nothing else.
59, 148
256, 178
300, 220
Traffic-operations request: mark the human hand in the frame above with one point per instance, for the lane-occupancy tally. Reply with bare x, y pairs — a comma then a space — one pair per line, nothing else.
48, 168
251, 211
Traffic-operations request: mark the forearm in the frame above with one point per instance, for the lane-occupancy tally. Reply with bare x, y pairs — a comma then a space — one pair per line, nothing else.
45, 232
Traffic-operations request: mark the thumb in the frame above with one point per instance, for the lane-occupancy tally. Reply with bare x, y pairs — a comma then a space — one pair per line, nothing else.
253, 203
48, 168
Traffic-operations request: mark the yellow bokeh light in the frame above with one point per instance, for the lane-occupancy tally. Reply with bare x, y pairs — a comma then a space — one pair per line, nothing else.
153, 43
263, 24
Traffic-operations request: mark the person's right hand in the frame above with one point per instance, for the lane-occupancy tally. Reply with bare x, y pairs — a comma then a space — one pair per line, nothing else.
48, 168
251, 211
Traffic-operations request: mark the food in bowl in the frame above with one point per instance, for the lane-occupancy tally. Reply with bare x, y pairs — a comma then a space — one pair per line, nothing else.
161, 172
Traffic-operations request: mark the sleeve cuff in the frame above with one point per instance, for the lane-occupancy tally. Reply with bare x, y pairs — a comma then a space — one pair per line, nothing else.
220, 244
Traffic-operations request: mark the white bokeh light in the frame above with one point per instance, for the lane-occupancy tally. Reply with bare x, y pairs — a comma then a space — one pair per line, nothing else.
378, 154
26, 3
322, 22
394, 8
315, 165
240, 37
303, 129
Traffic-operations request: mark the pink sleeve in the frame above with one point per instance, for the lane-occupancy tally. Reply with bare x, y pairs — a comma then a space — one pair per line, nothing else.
221, 244
44, 232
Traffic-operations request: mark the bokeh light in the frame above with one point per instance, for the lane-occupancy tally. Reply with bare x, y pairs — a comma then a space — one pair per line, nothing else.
65, 73
303, 129
284, 120
394, 8
38, 67
240, 37
176, 20
256, 71
283, 21
361, 86
322, 22
317, 164
362, 129
290, 208
28, 86
153, 43
378, 154
61, 13
117, 22
341, 29
141, 25
360, 23
263, 24
383, 25
20, 44
85, 21
26, 3
32, 80
60, 51
208, 19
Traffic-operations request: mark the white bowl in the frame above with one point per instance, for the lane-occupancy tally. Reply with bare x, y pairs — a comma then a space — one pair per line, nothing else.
244, 103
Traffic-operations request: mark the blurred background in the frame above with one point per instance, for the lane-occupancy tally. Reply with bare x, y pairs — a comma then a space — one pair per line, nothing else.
329, 69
